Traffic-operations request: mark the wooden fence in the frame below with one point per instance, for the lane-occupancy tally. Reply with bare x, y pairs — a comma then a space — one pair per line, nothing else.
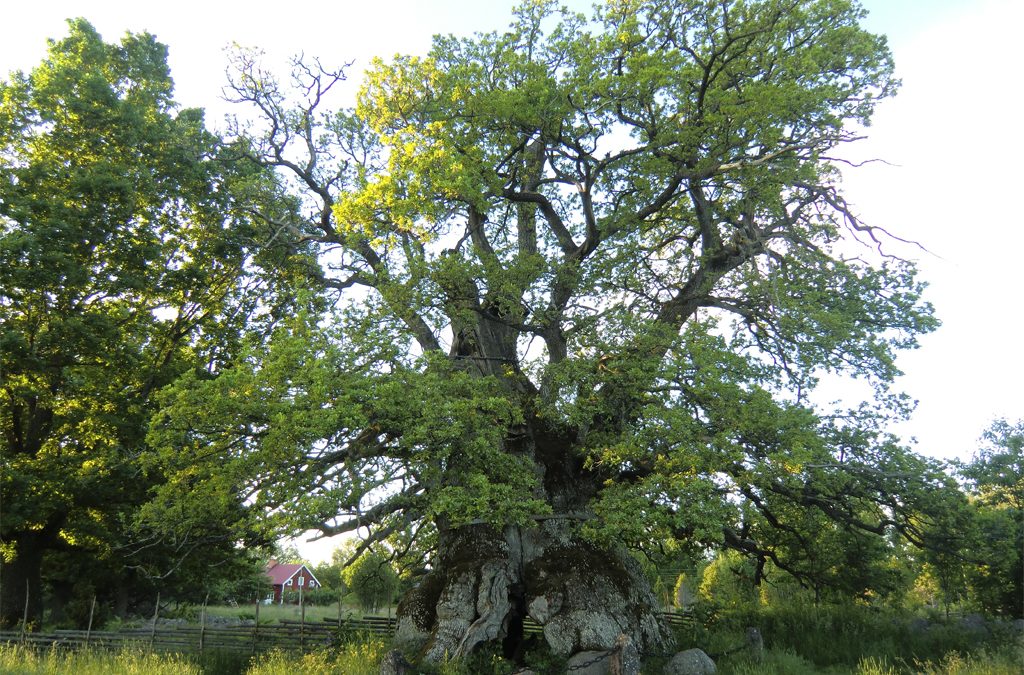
253, 638
288, 635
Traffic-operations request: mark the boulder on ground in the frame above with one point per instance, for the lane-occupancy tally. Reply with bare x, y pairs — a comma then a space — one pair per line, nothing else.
690, 662
625, 660
394, 663
755, 643
974, 624
590, 663
919, 625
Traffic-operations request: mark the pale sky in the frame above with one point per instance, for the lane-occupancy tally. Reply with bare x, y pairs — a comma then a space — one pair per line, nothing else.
952, 140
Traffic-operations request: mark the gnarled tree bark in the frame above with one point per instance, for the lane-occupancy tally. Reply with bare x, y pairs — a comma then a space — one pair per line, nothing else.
486, 582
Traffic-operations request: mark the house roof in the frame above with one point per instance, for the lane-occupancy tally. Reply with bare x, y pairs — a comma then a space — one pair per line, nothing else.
279, 573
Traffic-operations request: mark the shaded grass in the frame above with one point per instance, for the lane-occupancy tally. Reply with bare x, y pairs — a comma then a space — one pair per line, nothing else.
775, 662
1006, 661
857, 640
847, 635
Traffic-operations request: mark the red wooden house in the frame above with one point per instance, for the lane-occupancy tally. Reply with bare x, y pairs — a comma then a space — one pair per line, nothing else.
290, 579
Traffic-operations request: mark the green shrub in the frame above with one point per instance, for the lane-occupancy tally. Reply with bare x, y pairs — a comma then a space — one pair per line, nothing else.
323, 597
727, 582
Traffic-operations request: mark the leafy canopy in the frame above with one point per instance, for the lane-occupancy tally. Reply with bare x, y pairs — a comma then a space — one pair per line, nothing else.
588, 268
995, 552
123, 254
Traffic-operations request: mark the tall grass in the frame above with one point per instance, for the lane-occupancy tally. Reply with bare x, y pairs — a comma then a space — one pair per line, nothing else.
360, 657
1008, 660
827, 635
15, 660
852, 640
1005, 661
355, 658
812, 641
774, 662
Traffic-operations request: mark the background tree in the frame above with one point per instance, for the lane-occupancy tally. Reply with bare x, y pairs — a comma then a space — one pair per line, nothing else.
372, 579
584, 275
728, 582
995, 483
123, 260
330, 571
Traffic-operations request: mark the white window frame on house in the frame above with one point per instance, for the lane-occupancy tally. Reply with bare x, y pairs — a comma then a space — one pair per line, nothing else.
288, 583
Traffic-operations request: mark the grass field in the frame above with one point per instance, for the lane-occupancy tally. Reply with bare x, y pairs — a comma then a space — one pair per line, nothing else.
1004, 661
357, 658
363, 658
798, 641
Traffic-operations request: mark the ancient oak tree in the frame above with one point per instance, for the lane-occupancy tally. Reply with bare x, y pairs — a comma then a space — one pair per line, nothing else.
584, 274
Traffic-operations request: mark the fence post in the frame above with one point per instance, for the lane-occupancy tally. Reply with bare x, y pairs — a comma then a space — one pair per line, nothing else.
256, 627
88, 630
202, 624
302, 621
24, 616
156, 616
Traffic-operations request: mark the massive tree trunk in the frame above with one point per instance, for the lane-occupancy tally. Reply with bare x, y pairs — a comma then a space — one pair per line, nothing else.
19, 574
486, 581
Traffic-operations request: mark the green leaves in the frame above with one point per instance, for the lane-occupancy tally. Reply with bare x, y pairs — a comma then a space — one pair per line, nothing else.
589, 266
995, 479
122, 259
373, 580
